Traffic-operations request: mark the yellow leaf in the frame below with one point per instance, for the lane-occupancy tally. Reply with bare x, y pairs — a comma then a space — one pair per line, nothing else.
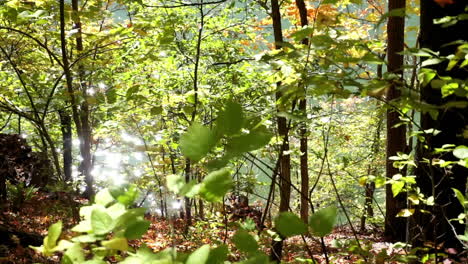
405, 213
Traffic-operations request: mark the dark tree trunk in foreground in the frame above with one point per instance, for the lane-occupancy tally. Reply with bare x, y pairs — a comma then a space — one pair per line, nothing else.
396, 136
433, 180
285, 160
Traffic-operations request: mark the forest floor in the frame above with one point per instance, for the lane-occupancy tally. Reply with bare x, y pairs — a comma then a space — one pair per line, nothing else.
37, 214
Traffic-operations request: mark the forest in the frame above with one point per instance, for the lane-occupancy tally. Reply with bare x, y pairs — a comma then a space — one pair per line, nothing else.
233, 131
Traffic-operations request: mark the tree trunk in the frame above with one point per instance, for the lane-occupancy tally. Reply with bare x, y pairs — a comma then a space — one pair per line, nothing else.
304, 165
187, 202
372, 170
85, 134
201, 207
80, 116
396, 136
65, 125
433, 180
285, 160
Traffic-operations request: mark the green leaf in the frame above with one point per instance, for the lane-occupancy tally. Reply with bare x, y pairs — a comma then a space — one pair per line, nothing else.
461, 152
52, 235
156, 110
231, 119
104, 197
125, 194
101, 222
322, 222
249, 142
215, 185
303, 32
218, 255
190, 189
426, 75
459, 196
84, 226
129, 217
288, 224
197, 142
119, 243
245, 242
75, 253
199, 256
431, 61
397, 186
137, 229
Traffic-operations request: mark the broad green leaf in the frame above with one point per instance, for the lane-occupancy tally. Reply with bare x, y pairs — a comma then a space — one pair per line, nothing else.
137, 229
461, 152
116, 210
75, 253
431, 61
231, 119
215, 185
129, 217
118, 243
190, 189
322, 222
245, 242
218, 255
249, 142
197, 142
125, 194
63, 245
85, 239
199, 256
52, 235
288, 224
84, 226
104, 197
460, 196
397, 186
304, 32
101, 222
426, 75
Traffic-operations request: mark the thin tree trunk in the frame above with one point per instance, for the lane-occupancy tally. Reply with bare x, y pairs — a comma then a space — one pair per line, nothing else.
201, 207
396, 136
86, 135
285, 160
65, 125
304, 165
370, 187
187, 202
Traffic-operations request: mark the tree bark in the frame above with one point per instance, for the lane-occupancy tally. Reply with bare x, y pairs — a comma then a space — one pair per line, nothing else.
187, 202
65, 125
85, 135
396, 136
285, 160
433, 180
304, 165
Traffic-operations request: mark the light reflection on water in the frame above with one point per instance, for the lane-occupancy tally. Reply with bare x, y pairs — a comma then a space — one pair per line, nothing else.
119, 161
